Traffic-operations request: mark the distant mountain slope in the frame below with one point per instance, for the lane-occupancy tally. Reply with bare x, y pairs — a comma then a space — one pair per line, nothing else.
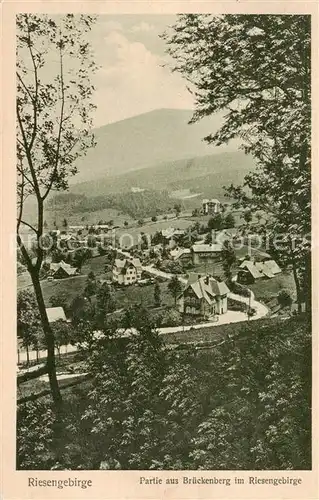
145, 140
206, 174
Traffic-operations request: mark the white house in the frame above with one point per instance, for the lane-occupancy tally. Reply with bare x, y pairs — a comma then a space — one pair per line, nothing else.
210, 206
127, 271
203, 296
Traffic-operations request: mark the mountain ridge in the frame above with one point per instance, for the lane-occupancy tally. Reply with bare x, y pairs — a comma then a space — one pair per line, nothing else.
144, 140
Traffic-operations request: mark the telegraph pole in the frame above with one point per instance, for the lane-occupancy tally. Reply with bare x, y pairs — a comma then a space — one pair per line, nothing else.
249, 305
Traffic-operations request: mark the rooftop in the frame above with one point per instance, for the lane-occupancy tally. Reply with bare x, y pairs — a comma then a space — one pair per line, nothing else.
208, 248
206, 287
55, 314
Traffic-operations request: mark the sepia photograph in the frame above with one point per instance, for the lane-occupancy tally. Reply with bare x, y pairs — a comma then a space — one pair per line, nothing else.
163, 243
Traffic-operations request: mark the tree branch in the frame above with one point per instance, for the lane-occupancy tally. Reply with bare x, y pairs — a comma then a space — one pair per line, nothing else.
25, 254
36, 91
25, 87
29, 225
60, 128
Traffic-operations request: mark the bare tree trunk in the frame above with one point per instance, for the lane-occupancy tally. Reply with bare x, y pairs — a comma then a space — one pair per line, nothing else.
49, 337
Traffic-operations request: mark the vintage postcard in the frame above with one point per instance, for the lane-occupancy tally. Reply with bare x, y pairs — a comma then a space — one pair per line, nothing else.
159, 233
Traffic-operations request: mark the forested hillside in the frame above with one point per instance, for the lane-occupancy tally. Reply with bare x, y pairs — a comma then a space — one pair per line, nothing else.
137, 205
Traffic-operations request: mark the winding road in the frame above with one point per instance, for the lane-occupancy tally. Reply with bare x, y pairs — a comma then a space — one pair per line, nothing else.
224, 319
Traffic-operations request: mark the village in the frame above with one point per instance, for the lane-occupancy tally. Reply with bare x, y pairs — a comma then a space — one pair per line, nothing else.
189, 273
162, 247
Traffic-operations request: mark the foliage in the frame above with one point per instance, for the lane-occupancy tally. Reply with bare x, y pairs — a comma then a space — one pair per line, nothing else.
228, 257
229, 221
170, 266
60, 300
170, 317
137, 205
238, 288
105, 304
215, 222
35, 433
28, 319
53, 106
175, 287
256, 70
247, 216
177, 207
157, 294
235, 305
243, 404
63, 334
81, 309
80, 256
284, 298
91, 285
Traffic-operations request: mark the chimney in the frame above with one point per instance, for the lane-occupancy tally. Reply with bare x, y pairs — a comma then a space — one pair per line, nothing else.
206, 280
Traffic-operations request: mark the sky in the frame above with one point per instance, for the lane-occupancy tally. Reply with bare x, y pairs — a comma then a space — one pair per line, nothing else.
131, 79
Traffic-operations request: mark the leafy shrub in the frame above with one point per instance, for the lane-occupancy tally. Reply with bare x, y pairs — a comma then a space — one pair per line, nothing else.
284, 298
35, 422
171, 317
238, 288
235, 305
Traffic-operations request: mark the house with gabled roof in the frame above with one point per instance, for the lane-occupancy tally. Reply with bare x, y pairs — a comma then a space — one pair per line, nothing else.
203, 296
127, 271
60, 270
180, 253
249, 271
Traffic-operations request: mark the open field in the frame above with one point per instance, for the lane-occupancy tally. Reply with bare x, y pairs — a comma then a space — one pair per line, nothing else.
96, 265
130, 236
142, 295
72, 287
82, 218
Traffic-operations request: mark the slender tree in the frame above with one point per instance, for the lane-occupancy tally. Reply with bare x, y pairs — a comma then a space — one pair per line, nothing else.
62, 334
229, 221
174, 287
105, 304
28, 320
54, 90
91, 286
157, 294
228, 259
